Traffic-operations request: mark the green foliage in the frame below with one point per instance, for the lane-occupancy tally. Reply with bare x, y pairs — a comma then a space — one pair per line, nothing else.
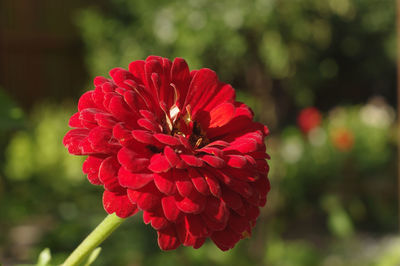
40, 153
11, 116
303, 45
344, 165
291, 253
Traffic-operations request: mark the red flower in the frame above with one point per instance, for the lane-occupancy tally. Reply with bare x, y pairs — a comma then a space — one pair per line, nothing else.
175, 144
308, 119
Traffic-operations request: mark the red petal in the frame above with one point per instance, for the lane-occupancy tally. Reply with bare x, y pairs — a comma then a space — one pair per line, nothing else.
99, 80
250, 159
193, 204
199, 242
147, 124
159, 164
164, 182
238, 223
242, 174
243, 146
105, 120
108, 172
237, 125
167, 139
213, 161
137, 69
86, 147
101, 140
180, 77
98, 97
119, 75
199, 182
118, 203
241, 211
123, 135
185, 142
73, 139
186, 238
152, 81
168, 239
86, 117
91, 168
183, 183
86, 101
166, 91
192, 160
170, 209
74, 121
148, 115
213, 183
108, 86
134, 97
121, 111
221, 115
202, 87
131, 160
171, 156
158, 221
236, 161
216, 214
143, 136
220, 143
225, 239
146, 200
195, 225
262, 185
262, 202
252, 212
134, 180
213, 151
243, 188
232, 199
225, 93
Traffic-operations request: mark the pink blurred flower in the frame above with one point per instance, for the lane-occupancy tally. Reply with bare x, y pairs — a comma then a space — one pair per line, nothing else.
308, 119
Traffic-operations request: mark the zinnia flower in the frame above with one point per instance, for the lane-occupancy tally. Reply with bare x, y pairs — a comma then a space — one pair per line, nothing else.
308, 119
175, 144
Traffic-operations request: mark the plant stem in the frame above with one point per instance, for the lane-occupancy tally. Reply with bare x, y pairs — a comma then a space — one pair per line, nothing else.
95, 238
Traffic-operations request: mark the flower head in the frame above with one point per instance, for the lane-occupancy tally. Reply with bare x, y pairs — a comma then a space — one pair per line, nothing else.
308, 119
175, 144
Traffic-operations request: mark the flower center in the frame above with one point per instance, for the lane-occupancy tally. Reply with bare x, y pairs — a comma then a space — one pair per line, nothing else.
183, 125
198, 138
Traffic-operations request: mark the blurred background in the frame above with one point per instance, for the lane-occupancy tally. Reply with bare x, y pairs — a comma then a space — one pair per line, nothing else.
320, 74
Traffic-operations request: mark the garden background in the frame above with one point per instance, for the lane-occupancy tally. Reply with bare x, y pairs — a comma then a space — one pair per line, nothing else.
334, 190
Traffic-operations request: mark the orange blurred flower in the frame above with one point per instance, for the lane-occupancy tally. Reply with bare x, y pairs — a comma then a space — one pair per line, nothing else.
342, 139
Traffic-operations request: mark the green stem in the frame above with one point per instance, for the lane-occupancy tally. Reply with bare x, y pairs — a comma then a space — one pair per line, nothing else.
98, 235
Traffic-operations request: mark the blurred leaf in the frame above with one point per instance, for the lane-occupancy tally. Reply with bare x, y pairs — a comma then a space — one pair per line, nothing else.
11, 116
44, 258
339, 221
